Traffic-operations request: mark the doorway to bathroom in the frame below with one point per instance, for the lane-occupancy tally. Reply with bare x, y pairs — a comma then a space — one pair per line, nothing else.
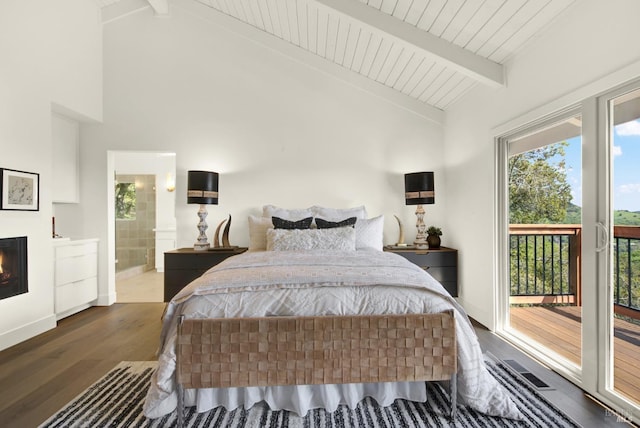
135, 199
143, 223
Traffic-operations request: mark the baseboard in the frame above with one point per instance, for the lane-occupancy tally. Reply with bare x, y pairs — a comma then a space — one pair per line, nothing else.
106, 299
27, 331
479, 314
73, 311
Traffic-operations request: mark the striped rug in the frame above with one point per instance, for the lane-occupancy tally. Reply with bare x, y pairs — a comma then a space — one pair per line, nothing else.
116, 401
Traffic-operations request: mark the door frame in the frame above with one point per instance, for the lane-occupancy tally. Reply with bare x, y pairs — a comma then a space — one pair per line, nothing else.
603, 261
114, 160
503, 328
596, 209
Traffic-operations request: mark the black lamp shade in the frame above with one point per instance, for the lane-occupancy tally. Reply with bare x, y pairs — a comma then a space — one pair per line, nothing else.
202, 187
419, 188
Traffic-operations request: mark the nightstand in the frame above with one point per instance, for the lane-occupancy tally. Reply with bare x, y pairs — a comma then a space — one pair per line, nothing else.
183, 265
441, 263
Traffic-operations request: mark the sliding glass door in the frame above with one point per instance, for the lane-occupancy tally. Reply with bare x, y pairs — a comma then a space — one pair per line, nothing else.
545, 227
569, 227
618, 287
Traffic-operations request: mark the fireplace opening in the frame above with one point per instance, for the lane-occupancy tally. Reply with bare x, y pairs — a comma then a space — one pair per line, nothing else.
13, 266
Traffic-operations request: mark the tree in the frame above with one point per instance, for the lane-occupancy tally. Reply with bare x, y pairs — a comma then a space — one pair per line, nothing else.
125, 196
538, 187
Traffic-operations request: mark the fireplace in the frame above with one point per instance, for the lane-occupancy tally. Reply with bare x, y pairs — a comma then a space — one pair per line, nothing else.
13, 266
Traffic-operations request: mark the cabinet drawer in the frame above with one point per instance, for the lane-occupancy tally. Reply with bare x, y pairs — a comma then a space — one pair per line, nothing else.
193, 260
182, 277
443, 273
171, 290
74, 294
72, 269
176, 280
183, 265
434, 258
76, 250
441, 264
451, 287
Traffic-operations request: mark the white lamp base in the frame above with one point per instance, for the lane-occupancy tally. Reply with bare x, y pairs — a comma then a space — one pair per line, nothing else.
202, 244
421, 237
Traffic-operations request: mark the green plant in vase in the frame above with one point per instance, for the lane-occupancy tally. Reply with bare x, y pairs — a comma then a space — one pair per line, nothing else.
433, 237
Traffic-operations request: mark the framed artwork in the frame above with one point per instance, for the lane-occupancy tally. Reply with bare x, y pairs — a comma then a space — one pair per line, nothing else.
19, 190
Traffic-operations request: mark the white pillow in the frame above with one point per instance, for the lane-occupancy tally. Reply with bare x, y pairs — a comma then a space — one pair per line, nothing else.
258, 227
339, 238
369, 233
286, 214
338, 214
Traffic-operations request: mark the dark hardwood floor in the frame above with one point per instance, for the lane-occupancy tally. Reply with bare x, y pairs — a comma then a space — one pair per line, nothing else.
41, 375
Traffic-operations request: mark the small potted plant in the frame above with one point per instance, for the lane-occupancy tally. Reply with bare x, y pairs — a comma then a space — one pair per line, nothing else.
433, 237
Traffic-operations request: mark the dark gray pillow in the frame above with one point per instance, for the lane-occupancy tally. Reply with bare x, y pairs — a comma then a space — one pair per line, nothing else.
325, 224
280, 223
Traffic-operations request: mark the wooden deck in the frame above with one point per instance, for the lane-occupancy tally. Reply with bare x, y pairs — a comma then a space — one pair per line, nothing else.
558, 328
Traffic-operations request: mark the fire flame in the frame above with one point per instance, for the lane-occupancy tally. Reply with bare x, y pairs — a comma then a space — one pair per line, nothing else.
1, 263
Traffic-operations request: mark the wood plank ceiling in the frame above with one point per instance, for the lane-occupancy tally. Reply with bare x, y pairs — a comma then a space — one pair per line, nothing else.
431, 51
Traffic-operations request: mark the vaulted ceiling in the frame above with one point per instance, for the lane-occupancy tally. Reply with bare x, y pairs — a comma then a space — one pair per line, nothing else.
425, 54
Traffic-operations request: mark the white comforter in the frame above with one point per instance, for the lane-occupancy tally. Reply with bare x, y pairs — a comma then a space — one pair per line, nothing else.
273, 283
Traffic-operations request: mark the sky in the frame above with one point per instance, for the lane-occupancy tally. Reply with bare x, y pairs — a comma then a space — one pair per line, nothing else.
626, 167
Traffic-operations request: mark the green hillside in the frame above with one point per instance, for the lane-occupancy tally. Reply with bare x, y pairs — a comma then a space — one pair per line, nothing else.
626, 218
574, 215
620, 217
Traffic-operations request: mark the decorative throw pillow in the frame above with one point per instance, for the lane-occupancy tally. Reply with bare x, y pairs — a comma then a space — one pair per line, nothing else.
325, 224
258, 232
335, 214
285, 213
369, 233
340, 239
280, 223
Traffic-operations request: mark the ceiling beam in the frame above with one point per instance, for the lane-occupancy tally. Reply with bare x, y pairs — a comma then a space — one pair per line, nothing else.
308, 59
457, 58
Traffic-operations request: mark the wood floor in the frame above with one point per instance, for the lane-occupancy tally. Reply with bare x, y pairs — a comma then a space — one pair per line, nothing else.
141, 288
559, 329
39, 376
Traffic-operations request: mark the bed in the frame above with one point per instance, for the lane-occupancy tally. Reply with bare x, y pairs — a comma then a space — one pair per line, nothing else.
334, 271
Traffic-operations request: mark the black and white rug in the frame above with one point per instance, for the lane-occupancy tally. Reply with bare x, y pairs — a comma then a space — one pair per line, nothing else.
116, 401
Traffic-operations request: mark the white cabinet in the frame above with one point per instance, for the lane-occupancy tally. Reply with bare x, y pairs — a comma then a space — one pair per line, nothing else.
65, 137
76, 275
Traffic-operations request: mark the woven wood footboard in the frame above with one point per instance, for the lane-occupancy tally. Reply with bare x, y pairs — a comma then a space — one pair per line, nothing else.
237, 352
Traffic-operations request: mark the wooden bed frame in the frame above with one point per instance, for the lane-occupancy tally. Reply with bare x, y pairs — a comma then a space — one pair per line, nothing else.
240, 352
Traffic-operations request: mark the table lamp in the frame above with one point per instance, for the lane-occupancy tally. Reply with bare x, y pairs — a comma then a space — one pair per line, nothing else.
419, 189
202, 188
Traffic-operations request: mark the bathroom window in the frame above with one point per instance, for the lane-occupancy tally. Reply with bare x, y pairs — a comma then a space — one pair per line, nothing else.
125, 201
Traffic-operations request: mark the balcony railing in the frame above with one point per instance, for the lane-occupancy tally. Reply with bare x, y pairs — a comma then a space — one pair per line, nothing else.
546, 265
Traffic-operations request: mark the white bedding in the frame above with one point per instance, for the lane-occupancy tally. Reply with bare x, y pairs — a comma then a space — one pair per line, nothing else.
269, 283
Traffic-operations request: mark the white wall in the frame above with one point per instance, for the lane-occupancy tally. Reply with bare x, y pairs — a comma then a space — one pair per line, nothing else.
51, 54
276, 130
594, 40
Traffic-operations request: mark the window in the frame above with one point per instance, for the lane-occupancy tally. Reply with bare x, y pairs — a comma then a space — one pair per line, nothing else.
125, 201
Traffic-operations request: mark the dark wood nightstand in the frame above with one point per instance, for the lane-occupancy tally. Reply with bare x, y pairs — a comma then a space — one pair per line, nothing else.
441, 263
183, 265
